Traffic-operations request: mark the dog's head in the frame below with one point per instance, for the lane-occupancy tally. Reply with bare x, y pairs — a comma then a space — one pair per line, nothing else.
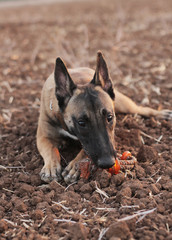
88, 111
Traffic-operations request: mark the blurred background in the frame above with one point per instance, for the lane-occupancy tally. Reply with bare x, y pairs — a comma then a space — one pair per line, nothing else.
135, 37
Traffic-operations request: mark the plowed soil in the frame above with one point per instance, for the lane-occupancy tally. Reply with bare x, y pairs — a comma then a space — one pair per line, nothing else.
136, 39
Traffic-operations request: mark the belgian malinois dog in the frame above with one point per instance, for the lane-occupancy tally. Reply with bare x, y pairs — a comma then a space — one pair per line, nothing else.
80, 104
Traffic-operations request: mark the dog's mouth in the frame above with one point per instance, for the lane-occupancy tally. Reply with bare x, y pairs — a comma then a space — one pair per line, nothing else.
100, 162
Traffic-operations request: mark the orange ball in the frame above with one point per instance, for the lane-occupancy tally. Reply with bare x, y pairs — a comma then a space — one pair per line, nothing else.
116, 168
126, 155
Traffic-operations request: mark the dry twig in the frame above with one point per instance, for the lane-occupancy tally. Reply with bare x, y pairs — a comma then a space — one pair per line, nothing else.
101, 192
148, 136
62, 206
128, 206
107, 209
10, 222
70, 185
39, 225
67, 221
102, 233
140, 213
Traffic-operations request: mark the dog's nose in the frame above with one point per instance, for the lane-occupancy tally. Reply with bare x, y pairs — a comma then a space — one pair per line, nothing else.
106, 162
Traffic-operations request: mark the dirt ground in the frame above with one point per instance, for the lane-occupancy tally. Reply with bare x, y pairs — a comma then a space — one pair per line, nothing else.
136, 39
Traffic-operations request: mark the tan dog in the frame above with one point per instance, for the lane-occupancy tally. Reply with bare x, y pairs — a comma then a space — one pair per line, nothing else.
80, 104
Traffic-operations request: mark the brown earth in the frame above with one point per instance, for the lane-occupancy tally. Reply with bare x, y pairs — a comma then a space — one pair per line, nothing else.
136, 39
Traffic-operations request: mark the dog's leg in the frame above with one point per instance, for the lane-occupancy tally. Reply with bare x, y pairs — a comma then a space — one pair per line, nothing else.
51, 156
71, 172
124, 104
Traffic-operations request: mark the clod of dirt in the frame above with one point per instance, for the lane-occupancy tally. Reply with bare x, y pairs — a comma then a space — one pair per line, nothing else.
42, 205
35, 200
25, 189
147, 154
86, 188
140, 172
37, 214
160, 208
35, 180
125, 192
117, 179
115, 238
119, 230
134, 185
104, 179
3, 202
95, 198
166, 124
169, 237
1, 184
20, 206
168, 186
24, 178
130, 138
58, 188
3, 226
70, 197
154, 189
2, 209
78, 231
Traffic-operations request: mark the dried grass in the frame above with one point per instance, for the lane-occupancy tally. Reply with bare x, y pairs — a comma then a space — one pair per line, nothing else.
141, 214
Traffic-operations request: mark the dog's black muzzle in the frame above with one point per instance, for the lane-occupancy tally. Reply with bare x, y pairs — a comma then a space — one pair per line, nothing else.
106, 161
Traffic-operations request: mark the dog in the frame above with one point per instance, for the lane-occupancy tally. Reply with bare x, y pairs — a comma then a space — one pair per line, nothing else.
80, 104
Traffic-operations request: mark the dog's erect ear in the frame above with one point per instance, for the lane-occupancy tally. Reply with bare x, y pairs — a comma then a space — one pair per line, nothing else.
64, 84
101, 76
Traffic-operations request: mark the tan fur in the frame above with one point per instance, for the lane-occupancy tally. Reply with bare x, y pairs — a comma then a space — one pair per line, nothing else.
48, 137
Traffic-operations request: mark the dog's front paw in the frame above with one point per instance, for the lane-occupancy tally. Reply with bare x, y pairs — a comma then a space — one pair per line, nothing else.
51, 172
71, 172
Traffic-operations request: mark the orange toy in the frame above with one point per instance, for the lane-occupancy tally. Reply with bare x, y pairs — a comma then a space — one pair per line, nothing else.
126, 155
124, 162
116, 168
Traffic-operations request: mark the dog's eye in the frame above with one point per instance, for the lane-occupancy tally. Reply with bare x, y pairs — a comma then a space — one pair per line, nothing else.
82, 123
109, 117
